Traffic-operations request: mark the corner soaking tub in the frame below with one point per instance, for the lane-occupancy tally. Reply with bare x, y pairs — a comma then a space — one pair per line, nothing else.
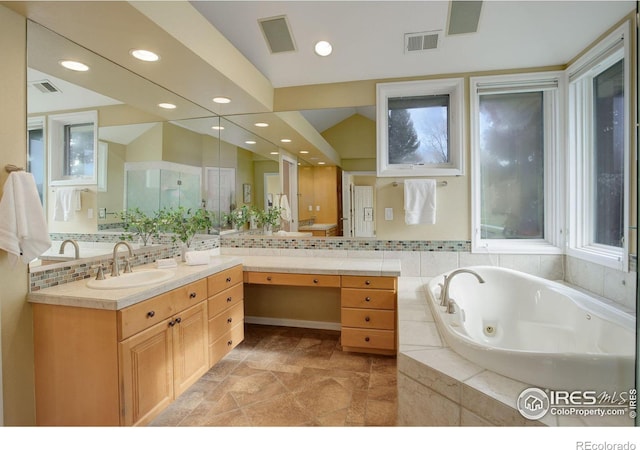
537, 331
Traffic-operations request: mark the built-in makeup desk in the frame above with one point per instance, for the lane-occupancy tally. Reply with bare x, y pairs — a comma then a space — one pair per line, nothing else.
356, 296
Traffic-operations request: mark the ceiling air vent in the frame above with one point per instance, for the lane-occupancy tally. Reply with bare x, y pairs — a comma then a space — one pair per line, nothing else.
45, 86
417, 42
277, 33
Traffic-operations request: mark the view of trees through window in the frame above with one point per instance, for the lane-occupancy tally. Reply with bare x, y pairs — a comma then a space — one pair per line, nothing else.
419, 130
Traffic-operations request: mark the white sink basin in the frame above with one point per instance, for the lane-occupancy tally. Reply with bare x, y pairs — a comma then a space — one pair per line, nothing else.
132, 279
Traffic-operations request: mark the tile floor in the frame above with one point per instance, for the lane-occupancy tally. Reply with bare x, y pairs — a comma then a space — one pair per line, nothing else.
283, 376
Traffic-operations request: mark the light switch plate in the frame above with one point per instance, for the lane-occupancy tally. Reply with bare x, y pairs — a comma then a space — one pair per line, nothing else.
388, 214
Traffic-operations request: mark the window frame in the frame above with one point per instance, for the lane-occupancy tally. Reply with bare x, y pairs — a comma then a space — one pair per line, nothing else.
56, 148
552, 85
581, 222
455, 88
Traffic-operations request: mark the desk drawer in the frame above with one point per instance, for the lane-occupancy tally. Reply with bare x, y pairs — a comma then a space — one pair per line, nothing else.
360, 282
368, 339
223, 280
368, 298
224, 344
225, 299
142, 315
368, 318
225, 321
292, 279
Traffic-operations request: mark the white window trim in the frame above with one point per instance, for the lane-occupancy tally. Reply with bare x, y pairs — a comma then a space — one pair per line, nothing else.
454, 87
553, 166
55, 148
580, 190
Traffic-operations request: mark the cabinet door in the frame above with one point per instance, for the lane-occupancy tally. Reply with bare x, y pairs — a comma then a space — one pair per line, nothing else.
146, 374
190, 346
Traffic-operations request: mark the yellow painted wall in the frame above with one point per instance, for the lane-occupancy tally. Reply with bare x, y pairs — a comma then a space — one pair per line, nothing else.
259, 169
16, 327
147, 146
353, 138
180, 145
113, 198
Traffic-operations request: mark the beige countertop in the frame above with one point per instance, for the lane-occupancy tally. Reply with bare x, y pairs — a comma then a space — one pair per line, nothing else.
318, 226
78, 294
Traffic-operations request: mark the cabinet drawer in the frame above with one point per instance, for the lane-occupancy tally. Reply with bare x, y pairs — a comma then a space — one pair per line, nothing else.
369, 339
225, 299
368, 318
360, 282
225, 344
367, 298
142, 315
292, 279
225, 321
223, 280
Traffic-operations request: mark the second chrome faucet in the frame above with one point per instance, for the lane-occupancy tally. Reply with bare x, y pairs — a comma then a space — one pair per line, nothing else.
445, 300
115, 269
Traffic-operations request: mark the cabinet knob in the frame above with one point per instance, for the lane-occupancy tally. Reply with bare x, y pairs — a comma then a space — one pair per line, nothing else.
228, 299
178, 320
192, 295
229, 320
368, 282
367, 339
228, 280
367, 319
367, 299
151, 313
229, 342
316, 281
172, 323
268, 278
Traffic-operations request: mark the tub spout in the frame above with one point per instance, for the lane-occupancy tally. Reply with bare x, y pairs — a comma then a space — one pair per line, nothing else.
445, 300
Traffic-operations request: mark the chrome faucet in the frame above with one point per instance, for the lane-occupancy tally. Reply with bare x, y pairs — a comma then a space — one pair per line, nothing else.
75, 246
445, 300
115, 270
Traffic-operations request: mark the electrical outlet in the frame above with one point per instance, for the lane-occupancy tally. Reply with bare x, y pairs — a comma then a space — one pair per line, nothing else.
388, 214
90, 213
102, 213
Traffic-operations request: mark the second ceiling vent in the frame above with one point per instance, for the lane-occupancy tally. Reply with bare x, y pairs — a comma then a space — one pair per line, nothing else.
417, 42
277, 33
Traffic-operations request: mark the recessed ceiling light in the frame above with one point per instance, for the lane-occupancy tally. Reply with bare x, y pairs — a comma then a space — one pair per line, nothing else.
167, 105
274, 153
222, 100
74, 65
285, 140
250, 142
321, 162
261, 124
144, 55
323, 48
304, 152
217, 127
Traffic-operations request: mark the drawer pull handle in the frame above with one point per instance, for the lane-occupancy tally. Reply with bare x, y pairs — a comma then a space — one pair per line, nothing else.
229, 342
178, 320
316, 281
172, 323
367, 282
367, 319
268, 278
228, 279
229, 320
151, 313
367, 299
192, 295
228, 299
367, 339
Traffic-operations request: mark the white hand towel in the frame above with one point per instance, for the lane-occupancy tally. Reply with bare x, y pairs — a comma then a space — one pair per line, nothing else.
419, 202
23, 226
285, 213
197, 258
66, 203
167, 263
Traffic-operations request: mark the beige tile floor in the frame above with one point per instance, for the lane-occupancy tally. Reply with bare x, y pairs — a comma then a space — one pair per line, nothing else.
283, 376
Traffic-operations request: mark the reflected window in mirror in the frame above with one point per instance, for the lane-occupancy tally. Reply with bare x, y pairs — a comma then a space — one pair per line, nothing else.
73, 148
36, 153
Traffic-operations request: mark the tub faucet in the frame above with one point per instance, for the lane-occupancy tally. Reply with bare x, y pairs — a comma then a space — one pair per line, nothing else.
115, 270
445, 300
75, 246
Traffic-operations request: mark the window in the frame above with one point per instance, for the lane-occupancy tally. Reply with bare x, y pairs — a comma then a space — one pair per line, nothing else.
514, 143
599, 153
36, 153
73, 148
420, 128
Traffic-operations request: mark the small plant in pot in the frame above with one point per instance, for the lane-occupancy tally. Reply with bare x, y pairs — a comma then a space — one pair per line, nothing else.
268, 218
238, 217
185, 224
138, 224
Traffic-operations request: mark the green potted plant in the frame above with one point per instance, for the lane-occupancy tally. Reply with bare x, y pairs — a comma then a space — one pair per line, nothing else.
268, 218
137, 223
238, 217
185, 223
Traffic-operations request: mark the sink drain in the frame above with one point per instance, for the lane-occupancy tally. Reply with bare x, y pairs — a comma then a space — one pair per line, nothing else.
490, 330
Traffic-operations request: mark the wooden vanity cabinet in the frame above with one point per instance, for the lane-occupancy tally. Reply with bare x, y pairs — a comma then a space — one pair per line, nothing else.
226, 312
369, 314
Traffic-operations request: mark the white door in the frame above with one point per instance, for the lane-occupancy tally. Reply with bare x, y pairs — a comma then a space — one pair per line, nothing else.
363, 217
221, 189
